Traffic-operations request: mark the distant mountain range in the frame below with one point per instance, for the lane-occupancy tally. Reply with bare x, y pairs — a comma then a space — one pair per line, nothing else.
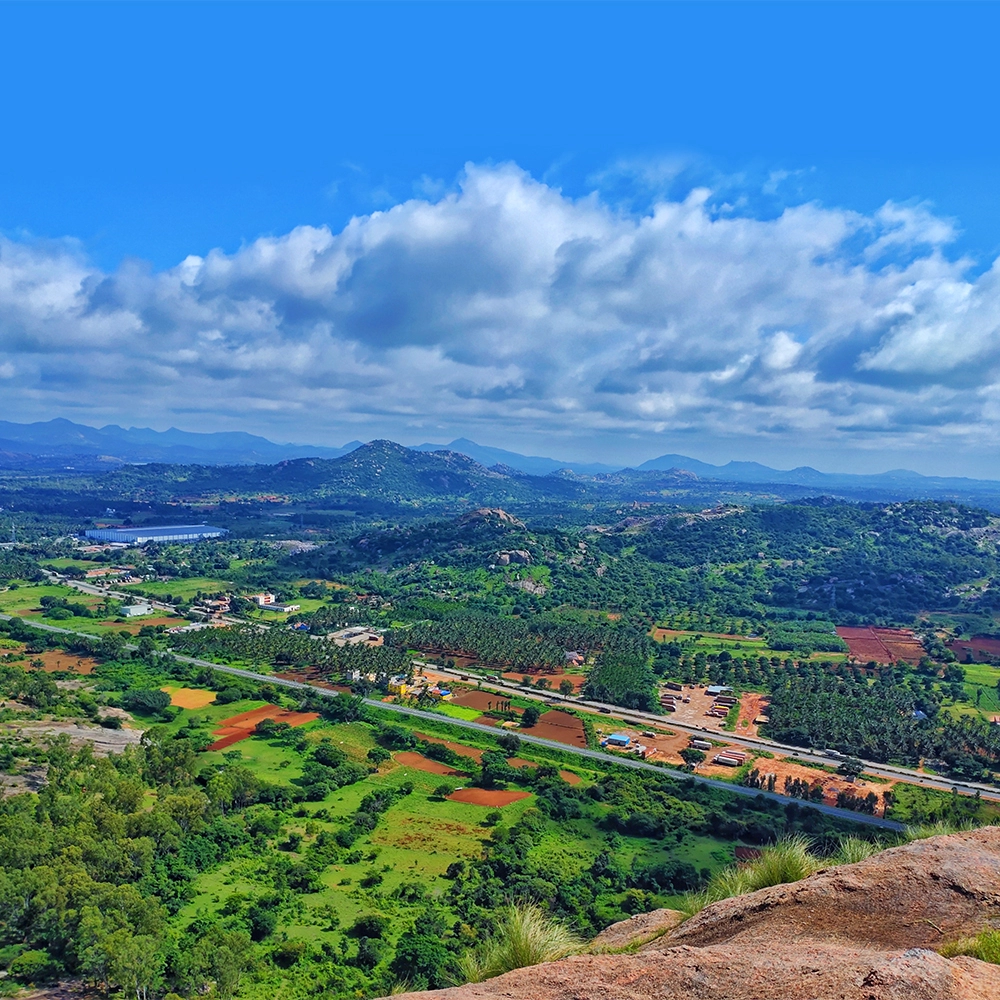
533, 465
60, 444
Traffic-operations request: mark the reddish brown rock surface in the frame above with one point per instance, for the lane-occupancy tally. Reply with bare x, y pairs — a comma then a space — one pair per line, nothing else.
859, 932
637, 930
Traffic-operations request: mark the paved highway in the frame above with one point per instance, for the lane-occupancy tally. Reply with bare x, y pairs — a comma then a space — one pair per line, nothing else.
645, 719
636, 718
604, 758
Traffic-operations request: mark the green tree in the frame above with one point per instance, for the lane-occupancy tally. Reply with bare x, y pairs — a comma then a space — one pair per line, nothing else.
692, 756
135, 961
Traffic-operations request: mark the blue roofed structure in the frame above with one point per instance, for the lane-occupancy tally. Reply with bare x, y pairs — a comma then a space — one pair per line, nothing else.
161, 533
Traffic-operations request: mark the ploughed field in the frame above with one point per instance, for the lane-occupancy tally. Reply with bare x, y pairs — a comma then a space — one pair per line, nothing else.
239, 727
881, 645
979, 646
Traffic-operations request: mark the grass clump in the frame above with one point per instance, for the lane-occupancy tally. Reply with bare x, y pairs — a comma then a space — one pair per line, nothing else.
940, 828
525, 935
854, 849
985, 946
789, 860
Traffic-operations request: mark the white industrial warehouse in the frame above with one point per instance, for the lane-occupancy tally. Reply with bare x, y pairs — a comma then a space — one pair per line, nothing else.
163, 533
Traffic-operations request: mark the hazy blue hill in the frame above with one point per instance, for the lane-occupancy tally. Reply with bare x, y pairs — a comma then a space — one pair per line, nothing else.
379, 471
65, 440
534, 465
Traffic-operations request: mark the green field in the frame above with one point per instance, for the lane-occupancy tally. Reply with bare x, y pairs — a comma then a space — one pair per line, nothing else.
25, 602
70, 563
457, 711
306, 606
182, 588
27, 597
410, 850
981, 688
692, 643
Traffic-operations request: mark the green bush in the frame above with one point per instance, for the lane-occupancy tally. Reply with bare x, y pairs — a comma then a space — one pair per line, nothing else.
35, 966
146, 701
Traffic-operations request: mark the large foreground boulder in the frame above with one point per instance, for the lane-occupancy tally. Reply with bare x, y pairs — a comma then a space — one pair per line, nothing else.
858, 932
638, 930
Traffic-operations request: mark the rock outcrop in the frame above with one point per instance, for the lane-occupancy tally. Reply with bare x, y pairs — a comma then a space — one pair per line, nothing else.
637, 930
495, 514
866, 931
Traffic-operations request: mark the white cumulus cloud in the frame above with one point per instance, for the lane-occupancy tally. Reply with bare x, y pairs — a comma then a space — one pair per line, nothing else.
506, 304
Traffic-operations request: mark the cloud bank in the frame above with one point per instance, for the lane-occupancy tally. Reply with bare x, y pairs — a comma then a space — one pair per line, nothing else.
506, 305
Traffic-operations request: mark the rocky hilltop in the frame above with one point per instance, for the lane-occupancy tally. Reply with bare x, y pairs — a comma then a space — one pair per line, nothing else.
867, 931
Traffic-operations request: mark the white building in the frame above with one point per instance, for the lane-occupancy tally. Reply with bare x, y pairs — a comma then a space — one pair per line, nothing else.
137, 610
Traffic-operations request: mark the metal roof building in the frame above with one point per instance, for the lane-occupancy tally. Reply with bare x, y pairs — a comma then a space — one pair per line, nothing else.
163, 533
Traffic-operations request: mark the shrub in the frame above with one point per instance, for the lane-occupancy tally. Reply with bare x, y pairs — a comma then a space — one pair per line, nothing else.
146, 701
287, 953
510, 743
371, 925
369, 953
36, 966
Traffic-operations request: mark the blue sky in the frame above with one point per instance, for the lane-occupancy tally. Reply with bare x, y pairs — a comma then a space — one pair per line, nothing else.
736, 231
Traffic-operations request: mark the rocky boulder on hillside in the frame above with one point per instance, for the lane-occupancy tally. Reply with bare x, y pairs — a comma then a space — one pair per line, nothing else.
867, 931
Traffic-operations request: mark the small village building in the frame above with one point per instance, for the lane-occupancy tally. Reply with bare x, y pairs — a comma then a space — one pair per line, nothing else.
136, 610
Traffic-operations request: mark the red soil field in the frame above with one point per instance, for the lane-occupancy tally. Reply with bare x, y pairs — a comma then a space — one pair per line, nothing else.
477, 755
314, 677
554, 679
883, 645
421, 763
239, 727
55, 660
483, 701
976, 645
782, 768
487, 797
560, 726
751, 706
